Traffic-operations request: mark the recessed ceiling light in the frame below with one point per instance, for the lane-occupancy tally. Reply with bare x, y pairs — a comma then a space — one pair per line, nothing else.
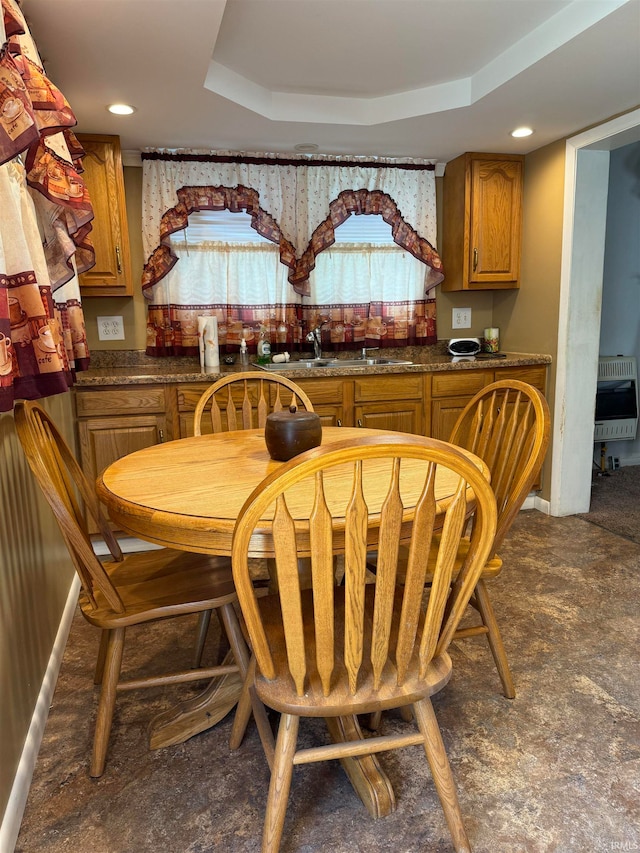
121, 109
521, 131
306, 147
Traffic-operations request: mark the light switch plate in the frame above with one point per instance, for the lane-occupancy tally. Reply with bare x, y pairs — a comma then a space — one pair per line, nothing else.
110, 329
461, 318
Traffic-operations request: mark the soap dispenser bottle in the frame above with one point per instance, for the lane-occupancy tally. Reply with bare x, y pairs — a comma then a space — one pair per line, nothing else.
244, 354
264, 347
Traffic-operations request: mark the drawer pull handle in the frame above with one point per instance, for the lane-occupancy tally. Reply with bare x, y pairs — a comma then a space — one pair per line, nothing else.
475, 260
161, 435
359, 422
118, 259
339, 422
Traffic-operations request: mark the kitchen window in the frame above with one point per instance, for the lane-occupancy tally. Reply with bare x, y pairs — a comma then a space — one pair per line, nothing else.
228, 250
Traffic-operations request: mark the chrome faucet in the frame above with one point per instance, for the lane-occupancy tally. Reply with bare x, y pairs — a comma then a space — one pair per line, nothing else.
364, 351
315, 335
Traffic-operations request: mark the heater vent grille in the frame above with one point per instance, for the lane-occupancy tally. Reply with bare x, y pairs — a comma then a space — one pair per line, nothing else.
621, 367
616, 399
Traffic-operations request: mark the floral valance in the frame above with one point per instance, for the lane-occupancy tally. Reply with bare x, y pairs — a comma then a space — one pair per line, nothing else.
294, 202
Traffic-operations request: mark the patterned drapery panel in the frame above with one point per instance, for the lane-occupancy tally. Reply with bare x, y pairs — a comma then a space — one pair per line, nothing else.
45, 216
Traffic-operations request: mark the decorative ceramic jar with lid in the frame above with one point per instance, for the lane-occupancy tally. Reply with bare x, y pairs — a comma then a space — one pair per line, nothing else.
288, 433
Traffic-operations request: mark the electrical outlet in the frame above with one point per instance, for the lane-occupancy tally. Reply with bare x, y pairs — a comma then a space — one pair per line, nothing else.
461, 318
110, 329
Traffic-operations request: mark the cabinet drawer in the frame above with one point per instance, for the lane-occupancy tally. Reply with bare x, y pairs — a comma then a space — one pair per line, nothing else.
323, 391
119, 401
457, 383
534, 375
188, 396
391, 387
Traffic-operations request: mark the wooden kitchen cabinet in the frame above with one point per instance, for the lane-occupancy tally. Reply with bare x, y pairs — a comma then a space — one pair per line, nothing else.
482, 222
111, 275
112, 423
451, 391
329, 397
390, 402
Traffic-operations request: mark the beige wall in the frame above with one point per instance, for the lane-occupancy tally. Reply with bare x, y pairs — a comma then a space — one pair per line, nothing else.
528, 317
35, 576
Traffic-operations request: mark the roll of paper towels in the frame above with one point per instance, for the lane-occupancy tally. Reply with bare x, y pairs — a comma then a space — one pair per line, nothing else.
208, 342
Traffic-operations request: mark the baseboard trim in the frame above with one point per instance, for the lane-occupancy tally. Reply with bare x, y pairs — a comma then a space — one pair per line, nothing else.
12, 818
128, 544
536, 502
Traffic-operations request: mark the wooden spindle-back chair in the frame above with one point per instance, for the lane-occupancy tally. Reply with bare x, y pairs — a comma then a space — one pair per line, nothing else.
507, 425
242, 401
128, 589
229, 411
335, 651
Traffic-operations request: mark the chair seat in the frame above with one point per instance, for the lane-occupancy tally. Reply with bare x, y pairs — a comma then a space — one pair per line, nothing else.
280, 694
491, 568
158, 583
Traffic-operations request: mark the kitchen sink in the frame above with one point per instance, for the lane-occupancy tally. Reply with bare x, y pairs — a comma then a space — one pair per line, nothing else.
332, 362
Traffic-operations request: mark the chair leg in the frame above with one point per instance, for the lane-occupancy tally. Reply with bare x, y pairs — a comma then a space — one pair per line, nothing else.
204, 621
483, 604
102, 653
249, 700
280, 783
441, 772
107, 701
373, 723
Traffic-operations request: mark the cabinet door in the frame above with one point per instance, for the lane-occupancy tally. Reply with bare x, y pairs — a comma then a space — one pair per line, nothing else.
444, 414
103, 440
496, 212
111, 275
400, 416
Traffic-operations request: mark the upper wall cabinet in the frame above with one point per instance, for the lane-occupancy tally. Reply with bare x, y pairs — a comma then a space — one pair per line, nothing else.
111, 276
482, 222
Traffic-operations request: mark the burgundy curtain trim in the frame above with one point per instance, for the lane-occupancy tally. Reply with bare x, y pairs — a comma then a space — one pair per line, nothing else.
365, 202
283, 161
190, 199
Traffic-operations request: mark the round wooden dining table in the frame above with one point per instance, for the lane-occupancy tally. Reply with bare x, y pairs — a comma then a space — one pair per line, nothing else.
187, 494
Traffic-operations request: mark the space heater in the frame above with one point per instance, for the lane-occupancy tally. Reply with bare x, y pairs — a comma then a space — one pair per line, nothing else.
616, 399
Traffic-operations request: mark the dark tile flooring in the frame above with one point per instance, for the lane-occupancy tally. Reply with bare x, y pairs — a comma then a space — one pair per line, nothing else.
556, 769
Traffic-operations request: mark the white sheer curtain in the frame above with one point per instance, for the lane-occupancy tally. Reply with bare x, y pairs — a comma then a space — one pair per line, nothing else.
364, 273
213, 273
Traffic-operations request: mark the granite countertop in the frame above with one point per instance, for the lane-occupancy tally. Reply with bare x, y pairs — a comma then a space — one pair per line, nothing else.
133, 367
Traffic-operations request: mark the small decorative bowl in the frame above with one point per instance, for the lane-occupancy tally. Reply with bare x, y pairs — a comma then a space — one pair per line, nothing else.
229, 359
288, 433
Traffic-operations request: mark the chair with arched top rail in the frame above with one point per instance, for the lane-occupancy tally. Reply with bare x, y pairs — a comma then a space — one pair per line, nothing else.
242, 401
126, 590
337, 651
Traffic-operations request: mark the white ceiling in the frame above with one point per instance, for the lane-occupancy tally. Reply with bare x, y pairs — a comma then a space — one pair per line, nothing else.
420, 78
